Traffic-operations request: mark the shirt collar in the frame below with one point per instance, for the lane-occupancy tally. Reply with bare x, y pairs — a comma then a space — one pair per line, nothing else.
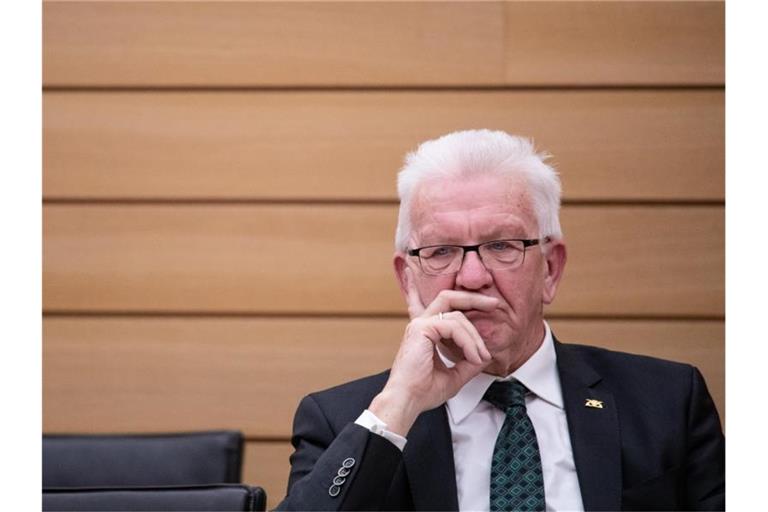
538, 374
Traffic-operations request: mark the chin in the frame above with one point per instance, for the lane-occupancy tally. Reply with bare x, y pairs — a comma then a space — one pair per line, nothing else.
490, 334
496, 338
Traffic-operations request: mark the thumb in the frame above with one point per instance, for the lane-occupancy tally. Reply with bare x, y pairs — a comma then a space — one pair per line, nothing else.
415, 306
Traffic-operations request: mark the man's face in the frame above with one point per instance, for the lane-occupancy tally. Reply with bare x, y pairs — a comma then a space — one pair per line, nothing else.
473, 211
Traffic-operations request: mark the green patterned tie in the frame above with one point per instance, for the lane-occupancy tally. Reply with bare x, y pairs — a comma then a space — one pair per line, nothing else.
516, 479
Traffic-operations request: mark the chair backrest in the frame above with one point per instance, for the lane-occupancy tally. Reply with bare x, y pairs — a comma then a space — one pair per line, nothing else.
196, 458
208, 497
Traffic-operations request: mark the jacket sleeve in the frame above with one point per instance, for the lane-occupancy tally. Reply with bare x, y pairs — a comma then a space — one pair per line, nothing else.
705, 461
348, 470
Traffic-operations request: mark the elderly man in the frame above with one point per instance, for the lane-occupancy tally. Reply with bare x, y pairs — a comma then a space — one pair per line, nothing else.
483, 409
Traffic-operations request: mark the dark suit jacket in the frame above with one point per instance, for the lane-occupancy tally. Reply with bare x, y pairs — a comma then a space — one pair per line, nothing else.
655, 445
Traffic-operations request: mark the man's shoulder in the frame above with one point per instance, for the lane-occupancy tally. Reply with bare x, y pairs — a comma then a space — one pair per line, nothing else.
346, 401
624, 368
364, 385
606, 356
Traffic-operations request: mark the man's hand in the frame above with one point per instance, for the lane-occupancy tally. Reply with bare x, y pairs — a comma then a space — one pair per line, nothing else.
419, 379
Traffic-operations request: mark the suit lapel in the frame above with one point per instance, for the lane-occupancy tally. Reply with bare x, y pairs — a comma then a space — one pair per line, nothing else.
428, 458
594, 431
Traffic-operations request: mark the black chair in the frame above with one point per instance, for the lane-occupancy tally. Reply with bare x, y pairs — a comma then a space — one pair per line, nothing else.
209, 497
196, 458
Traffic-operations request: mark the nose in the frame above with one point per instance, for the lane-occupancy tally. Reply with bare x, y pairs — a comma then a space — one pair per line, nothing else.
473, 275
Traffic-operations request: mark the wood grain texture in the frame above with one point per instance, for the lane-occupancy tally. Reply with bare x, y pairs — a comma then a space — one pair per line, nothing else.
272, 43
638, 260
266, 464
382, 43
653, 261
172, 374
616, 145
610, 43
177, 374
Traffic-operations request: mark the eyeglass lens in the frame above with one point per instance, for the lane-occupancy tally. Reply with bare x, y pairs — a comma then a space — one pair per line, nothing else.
497, 255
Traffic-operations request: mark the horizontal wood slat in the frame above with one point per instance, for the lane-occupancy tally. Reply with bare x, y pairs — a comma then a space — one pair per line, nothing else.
382, 43
616, 145
171, 374
266, 464
612, 43
657, 261
272, 43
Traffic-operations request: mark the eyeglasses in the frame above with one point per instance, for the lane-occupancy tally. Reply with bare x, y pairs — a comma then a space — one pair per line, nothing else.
496, 255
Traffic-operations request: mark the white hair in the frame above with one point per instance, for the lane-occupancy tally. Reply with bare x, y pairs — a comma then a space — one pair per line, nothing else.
477, 153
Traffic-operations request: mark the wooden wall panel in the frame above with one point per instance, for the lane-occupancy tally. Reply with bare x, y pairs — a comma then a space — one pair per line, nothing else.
272, 43
624, 260
196, 373
266, 464
171, 374
653, 261
382, 43
615, 145
295, 107
609, 43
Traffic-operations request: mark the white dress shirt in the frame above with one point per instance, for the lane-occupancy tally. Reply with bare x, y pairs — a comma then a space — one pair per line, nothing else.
475, 424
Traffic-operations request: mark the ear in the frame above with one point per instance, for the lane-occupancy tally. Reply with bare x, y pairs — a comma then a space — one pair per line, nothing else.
555, 264
400, 264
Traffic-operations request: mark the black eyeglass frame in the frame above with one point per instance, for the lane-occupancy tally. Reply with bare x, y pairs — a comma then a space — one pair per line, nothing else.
527, 242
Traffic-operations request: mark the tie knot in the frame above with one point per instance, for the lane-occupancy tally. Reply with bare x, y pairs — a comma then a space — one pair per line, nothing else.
506, 394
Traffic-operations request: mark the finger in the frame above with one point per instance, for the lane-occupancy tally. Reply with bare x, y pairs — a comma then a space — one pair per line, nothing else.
485, 354
453, 330
461, 373
449, 300
415, 306
472, 331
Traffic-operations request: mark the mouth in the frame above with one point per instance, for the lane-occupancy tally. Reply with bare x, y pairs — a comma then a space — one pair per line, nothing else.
476, 314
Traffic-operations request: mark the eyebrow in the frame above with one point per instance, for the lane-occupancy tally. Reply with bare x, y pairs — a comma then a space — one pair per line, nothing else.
492, 235
503, 231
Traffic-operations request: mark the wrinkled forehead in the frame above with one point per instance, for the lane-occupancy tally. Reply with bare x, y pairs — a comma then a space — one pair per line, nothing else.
473, 208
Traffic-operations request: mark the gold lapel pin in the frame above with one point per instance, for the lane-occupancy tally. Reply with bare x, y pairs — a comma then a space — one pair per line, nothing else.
594, 403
